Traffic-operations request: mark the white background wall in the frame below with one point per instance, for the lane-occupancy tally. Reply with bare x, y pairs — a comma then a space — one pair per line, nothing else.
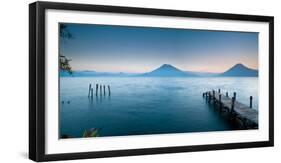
14, 79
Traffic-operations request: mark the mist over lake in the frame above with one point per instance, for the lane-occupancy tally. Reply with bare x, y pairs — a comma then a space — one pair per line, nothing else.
147, 105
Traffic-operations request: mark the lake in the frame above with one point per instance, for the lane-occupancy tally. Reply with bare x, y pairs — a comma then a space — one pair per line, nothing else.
147, 105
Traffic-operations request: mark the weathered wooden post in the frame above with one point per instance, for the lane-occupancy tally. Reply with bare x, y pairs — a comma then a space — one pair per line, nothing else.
100, 90
226, 94
209, 97
104, 90
214, 97
234, 95
251, 101
92, 92
108, 87
203, 95
220, 101
232, 104
90, 85
219, 90
97, 89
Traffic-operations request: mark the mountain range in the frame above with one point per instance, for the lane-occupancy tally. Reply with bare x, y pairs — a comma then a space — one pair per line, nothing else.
167, 70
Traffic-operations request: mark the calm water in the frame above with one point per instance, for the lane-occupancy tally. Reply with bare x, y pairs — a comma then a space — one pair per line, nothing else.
140, 105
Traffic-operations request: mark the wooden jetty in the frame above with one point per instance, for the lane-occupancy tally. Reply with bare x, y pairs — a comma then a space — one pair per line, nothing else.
243, 116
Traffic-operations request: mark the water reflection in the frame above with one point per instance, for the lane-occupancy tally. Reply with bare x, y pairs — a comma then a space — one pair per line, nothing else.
98, 99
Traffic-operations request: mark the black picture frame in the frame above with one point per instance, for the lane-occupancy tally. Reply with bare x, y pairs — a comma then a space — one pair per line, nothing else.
37, 87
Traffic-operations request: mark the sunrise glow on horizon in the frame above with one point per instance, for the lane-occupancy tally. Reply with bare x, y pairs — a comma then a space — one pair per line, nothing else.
105, 48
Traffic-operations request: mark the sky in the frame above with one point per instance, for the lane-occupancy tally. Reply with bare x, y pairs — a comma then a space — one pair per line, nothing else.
107, 48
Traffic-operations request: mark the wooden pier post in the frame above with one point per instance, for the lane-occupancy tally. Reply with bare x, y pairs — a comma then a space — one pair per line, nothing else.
219, 90
220, 103
92, 92
214, 95
104, 90
251, 101
100, 90
90, 86
234, 95
226, 94
232, 104
97, 89
209, 97
108, 87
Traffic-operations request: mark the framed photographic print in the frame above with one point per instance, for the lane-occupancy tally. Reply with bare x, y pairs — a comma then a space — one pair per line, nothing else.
117, 81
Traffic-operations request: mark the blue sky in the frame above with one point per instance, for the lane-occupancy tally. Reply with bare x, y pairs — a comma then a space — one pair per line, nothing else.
140, 49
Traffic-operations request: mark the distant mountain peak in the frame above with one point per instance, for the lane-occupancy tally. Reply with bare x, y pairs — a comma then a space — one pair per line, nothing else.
168, 71
240, 65
166, 65
240, 70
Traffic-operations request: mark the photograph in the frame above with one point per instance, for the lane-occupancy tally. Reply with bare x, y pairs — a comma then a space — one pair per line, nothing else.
111, 81
117, 80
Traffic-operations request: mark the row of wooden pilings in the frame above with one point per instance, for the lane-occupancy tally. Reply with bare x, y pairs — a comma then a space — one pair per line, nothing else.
99, 88
226, 94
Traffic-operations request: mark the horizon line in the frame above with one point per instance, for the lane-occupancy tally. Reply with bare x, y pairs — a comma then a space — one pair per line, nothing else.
196, 71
